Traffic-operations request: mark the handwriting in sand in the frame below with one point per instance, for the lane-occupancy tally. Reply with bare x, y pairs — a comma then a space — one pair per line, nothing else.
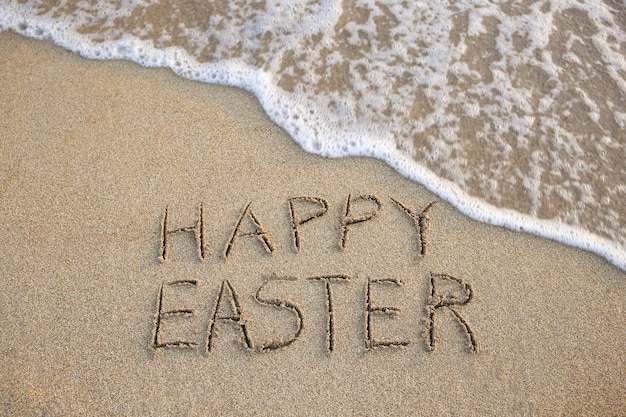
447, 293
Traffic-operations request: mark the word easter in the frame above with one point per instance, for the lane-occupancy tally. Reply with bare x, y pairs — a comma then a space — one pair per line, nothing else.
227, 309
446, 292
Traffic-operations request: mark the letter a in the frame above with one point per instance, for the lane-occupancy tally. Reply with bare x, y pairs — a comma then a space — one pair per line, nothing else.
258, 232
234, 316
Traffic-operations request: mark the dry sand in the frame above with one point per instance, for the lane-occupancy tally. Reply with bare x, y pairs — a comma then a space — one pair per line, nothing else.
92, 154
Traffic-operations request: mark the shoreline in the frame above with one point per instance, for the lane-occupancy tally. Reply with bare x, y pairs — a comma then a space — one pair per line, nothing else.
559, 192
260, 244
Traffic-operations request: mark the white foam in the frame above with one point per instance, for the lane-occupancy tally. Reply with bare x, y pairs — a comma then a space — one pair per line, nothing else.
403, 97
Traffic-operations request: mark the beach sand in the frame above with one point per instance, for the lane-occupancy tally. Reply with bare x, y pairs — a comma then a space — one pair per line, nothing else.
149, 267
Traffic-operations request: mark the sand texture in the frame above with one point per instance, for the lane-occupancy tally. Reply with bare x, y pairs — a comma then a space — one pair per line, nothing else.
167, 250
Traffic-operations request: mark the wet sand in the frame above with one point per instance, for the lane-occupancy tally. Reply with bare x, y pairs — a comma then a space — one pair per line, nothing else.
168, 250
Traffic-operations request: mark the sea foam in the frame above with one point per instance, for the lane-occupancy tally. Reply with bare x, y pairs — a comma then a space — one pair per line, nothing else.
513, 111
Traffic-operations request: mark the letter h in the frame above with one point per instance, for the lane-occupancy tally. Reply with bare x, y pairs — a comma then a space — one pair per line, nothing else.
197, 230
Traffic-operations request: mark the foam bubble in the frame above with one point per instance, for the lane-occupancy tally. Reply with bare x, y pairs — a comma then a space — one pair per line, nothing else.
511, 111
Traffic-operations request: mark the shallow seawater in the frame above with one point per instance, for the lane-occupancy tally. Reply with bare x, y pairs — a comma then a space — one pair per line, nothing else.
514, 111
